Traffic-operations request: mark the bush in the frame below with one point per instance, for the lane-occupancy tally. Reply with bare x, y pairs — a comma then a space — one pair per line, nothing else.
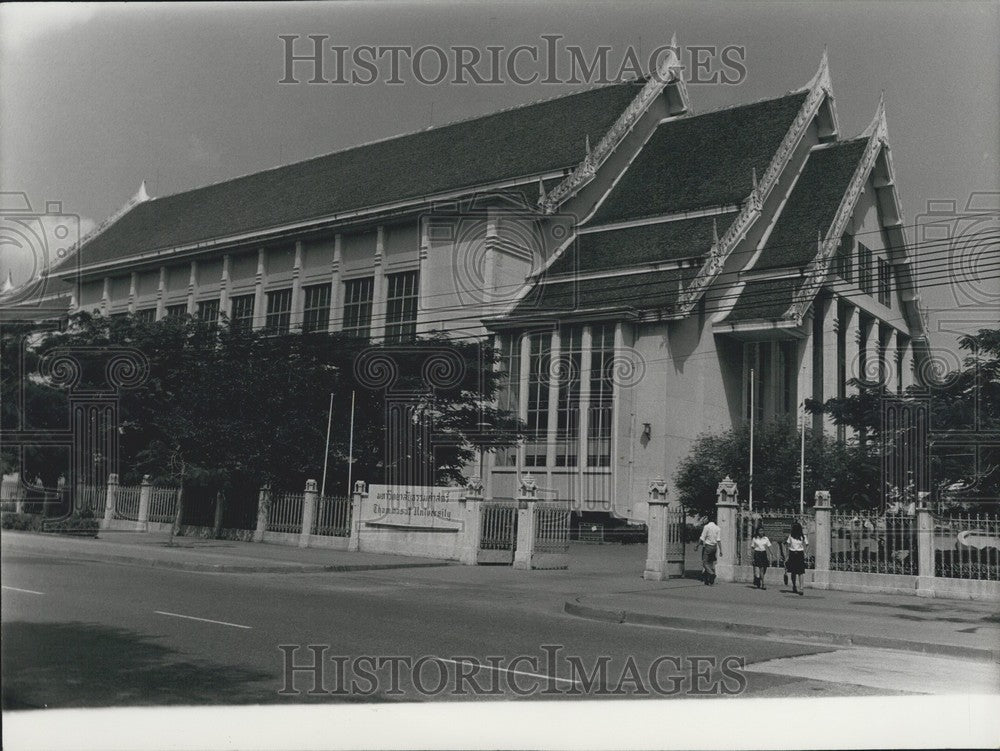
21, 522
78, 524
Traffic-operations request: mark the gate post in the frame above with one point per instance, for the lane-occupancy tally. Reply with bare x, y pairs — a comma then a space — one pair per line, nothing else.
472, 522
110, 499
308, 512
823, 541
525, 545
263, 509
925, 546
145, 495
665, 540
725, 509
357, 500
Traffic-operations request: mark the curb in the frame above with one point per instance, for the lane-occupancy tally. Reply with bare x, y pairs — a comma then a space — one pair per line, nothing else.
231, 568
820, 637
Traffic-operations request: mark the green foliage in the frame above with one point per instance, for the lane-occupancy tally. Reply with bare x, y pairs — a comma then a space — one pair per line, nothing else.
21, 522
849, 471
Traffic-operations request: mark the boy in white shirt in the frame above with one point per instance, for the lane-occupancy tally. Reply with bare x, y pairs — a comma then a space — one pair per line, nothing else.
711, 548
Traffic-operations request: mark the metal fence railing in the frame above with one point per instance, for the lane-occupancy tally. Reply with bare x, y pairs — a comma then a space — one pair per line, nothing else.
497, 529
967, 546
163, 505
333, 517
552, 521
285, 513
127, 502
90, 497
777, 524
872, 543
11, 491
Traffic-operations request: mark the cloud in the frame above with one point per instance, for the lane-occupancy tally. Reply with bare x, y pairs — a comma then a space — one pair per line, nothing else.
22, 24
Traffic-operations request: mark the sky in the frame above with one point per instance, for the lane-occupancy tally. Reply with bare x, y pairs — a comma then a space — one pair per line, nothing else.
96, 98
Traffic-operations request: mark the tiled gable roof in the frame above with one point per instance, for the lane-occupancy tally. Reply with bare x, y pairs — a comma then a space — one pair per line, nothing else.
643, 244
700, 161
520, 142
810, 208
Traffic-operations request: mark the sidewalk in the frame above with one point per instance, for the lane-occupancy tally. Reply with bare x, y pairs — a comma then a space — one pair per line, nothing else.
948, 627
198, 554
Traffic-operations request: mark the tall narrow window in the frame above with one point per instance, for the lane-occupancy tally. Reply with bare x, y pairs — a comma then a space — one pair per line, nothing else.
316, 313
145, 315
884, 282
510, 389
567, 369
865, 269
279, 312
242, 315
536, 439
599, 424
176, 311
208, 311
401, 307
358, 306
845, 258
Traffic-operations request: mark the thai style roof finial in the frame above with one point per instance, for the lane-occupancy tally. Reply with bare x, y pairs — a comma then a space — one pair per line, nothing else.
753, 178
821, 78
878, 121
587, 144
141, 195
8, 284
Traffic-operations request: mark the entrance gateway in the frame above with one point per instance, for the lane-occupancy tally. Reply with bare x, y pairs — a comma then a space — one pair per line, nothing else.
453, 523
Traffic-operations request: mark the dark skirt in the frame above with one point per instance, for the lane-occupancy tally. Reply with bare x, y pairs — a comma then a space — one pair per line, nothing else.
760, 559
796, 562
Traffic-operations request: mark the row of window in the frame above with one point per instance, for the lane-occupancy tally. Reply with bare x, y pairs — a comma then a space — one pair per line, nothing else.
560, 380
401, 308
845, 265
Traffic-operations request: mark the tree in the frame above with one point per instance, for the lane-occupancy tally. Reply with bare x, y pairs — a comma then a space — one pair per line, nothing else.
963, 403
849, 471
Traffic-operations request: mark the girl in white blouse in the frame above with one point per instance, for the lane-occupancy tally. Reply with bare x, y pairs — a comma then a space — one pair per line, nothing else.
759, 547
795, 560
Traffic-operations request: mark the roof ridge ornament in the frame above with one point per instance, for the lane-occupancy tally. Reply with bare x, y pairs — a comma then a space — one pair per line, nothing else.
821, 78
877, 128
668, 72
140, 196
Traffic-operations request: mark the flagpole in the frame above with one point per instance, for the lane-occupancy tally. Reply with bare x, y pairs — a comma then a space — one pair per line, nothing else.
326, 456
752, 405
802, 463
350, 448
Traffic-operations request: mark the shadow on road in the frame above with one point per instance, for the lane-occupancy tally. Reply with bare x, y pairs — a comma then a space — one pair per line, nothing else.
87, 665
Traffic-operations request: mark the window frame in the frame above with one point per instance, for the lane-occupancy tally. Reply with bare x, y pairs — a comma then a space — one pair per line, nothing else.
402, 294
357, 320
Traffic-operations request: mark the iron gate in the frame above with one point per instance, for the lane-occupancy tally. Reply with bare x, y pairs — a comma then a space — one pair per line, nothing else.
498, 533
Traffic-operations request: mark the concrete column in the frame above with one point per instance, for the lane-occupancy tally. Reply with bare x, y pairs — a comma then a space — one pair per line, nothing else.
145, 496
109, 501
357, 500
665, 546
523, 377
224, 288
822, 543
263, 509
925, 546
106, 296
133, 282
423, 304
553, 425
161, 291
192, 281
308, 512
725, 508
525, 545
259, 312
825, 359
472, 522
586, 362
336, 314
378, 288
296, 315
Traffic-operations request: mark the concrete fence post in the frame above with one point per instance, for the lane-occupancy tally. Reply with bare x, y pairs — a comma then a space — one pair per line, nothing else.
110, 499
726, 518
525, 545
145, 496
263, 511
19, 492
925, 546
309, 500
824, 539
472, 522
358, 499
665, 540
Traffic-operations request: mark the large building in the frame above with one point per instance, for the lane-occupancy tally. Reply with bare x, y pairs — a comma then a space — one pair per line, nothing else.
644, 267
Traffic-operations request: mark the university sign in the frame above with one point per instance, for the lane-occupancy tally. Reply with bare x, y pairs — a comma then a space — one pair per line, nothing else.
425, 507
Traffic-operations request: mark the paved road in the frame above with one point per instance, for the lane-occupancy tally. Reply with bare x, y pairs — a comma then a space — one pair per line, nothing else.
87, 634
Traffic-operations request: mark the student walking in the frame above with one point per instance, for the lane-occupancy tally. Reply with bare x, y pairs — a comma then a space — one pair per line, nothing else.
760, 546
711, 549
795, 558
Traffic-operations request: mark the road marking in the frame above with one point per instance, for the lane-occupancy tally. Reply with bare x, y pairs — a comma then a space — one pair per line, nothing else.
204, 620
18, 589
508, 670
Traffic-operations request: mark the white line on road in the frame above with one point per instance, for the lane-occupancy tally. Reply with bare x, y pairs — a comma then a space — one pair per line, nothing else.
18, 589
204, 620
508, 670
